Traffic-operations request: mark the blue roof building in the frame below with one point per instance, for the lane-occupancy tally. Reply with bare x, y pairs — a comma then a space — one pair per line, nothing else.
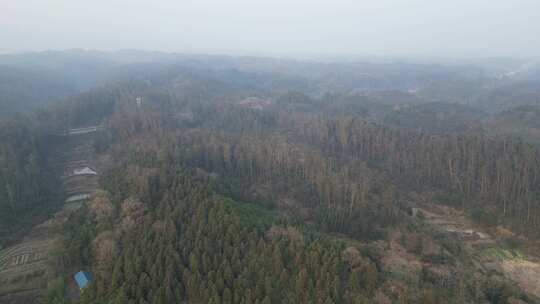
83, 278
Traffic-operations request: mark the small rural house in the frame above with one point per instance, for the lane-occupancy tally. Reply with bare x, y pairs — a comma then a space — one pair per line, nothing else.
84, 171
77, 197
83, 278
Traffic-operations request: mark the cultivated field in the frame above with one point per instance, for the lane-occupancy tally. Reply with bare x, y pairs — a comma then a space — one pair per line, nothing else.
486, 247
24, 267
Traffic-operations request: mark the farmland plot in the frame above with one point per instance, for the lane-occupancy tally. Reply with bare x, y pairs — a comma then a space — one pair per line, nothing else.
24, 267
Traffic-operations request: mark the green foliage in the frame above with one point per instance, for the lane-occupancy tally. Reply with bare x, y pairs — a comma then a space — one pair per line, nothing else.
498, 292
252, 215
79, 231
238, 205
512, 243
480, 214
55, 292
451, 244
197, 246
26, 180
503, 254
451, 199
439, 258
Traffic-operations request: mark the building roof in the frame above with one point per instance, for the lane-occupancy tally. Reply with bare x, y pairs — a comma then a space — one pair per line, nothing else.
255, 103
84, 171
83, 278
85, 130
77, 197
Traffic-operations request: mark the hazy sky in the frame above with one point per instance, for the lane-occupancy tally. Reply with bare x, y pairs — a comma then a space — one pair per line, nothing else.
456, 28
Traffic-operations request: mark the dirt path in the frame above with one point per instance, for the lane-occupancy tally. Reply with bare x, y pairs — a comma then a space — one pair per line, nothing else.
24, 266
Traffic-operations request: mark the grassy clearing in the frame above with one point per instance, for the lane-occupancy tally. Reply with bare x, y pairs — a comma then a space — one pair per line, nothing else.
251, 214
503, 254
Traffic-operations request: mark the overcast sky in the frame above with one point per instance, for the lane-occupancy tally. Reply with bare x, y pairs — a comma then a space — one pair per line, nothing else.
450, 28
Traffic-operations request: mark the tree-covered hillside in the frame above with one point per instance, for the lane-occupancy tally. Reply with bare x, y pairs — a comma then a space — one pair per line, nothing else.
243, 184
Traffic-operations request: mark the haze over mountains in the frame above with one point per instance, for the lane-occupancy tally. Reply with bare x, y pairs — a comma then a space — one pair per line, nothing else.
487, 87
419, 28
270, 152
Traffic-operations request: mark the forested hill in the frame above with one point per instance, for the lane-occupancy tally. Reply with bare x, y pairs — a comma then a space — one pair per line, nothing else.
30, 81
28, 182
217, 196
234, 186
22, 90
435, 97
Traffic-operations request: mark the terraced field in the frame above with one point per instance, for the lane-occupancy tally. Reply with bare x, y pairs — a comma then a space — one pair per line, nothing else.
491, 256
24, 266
